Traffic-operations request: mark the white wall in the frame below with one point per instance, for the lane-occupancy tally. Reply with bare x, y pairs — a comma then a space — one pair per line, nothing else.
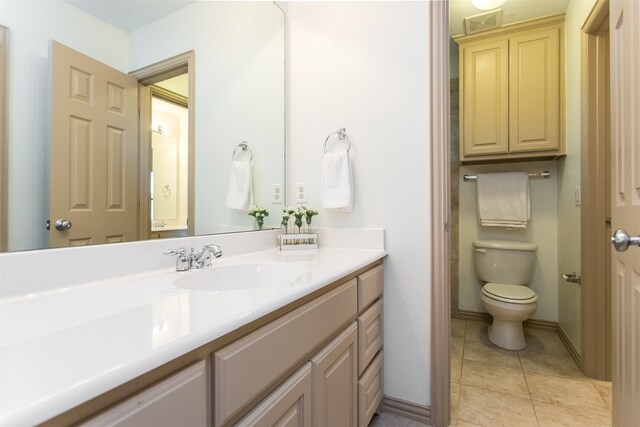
171, 208
542, 231
31, 25
247, 37
365, 66
569, 176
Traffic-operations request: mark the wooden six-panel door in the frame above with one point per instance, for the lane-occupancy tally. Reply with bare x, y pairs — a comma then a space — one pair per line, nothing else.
625, 208
94, 151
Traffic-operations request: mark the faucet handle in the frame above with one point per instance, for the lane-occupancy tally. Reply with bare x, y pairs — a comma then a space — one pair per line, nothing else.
182, 261
170, 252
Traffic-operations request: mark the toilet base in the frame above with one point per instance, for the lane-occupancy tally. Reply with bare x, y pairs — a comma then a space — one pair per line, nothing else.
506, 330
507, 335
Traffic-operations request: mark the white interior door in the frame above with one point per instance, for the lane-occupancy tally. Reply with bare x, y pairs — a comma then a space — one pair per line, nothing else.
625, 208
94, 151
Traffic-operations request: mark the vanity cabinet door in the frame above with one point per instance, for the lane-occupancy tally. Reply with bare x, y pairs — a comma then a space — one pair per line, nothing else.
179, 400
288, 406
334, 371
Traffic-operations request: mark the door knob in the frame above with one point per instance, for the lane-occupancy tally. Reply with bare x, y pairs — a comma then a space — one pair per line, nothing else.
63, 224
621, 240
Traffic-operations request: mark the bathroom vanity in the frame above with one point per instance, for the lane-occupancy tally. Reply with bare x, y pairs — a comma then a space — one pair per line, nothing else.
165, 352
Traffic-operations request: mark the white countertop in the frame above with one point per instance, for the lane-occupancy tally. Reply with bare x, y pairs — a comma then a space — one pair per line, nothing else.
62, 347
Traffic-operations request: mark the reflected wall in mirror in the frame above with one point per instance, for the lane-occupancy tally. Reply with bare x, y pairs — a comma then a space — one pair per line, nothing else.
169, 175
239, 96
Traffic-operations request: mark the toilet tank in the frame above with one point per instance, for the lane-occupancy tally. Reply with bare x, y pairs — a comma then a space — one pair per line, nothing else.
499, 261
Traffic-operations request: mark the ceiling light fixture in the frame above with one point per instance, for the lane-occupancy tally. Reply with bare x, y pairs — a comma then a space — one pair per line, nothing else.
487, 4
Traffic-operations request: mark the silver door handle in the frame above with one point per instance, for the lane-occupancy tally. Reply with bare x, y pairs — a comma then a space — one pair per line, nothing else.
63, 224
571, 277
621, 240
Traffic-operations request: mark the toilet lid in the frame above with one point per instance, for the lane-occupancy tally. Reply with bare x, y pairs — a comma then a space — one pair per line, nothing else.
514, 294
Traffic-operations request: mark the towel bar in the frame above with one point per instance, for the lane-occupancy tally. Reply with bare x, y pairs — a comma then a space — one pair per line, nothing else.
244, 145
545, 175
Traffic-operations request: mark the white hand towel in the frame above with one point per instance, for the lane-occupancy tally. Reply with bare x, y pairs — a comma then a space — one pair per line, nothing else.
503, 199
240, 193
336, 181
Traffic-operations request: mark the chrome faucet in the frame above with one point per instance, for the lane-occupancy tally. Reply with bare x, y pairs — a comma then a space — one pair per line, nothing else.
204, 258
195, 259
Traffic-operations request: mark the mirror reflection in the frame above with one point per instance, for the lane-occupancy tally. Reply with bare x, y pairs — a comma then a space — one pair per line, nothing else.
184, 169
169, 175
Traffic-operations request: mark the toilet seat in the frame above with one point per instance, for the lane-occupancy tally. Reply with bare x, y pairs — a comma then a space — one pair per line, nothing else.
513, 294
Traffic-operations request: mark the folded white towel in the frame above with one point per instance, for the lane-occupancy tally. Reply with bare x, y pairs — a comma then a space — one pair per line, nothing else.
503, 199
336, 182
240, 193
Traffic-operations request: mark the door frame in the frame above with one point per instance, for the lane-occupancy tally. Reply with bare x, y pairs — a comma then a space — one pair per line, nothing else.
147, 76
595, 301
440, 213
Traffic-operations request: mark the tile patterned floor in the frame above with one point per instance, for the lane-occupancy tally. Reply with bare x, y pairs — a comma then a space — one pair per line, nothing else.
537, 386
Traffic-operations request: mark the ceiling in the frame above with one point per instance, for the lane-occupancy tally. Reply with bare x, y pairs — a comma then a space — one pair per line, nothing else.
512, 11
129, 15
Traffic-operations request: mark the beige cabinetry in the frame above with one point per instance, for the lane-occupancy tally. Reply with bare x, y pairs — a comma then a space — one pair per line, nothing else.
370, 344
248, 367
334, 371
180, 399
512, 91
289, 405
318, 362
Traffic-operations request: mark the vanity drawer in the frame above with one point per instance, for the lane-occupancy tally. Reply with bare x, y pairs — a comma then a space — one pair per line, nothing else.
180, 399
370, 338
370, 391
370, 285
250, 365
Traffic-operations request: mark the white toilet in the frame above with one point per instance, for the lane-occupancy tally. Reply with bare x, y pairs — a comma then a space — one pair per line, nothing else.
505, 269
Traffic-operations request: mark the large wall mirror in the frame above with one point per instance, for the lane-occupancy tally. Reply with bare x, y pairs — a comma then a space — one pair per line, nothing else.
217, 128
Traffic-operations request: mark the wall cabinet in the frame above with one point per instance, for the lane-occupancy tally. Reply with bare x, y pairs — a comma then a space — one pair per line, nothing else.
318, 364
512, 91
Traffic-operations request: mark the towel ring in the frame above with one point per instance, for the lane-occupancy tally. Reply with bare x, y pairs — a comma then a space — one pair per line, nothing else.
244, 145
341, 135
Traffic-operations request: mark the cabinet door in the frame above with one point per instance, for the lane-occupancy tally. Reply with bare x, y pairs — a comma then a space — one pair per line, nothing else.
484, 118
534, 90
288, 406
179, 400
334, 373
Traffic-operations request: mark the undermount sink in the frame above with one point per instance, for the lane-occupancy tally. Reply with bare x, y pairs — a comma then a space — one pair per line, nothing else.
244, 276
